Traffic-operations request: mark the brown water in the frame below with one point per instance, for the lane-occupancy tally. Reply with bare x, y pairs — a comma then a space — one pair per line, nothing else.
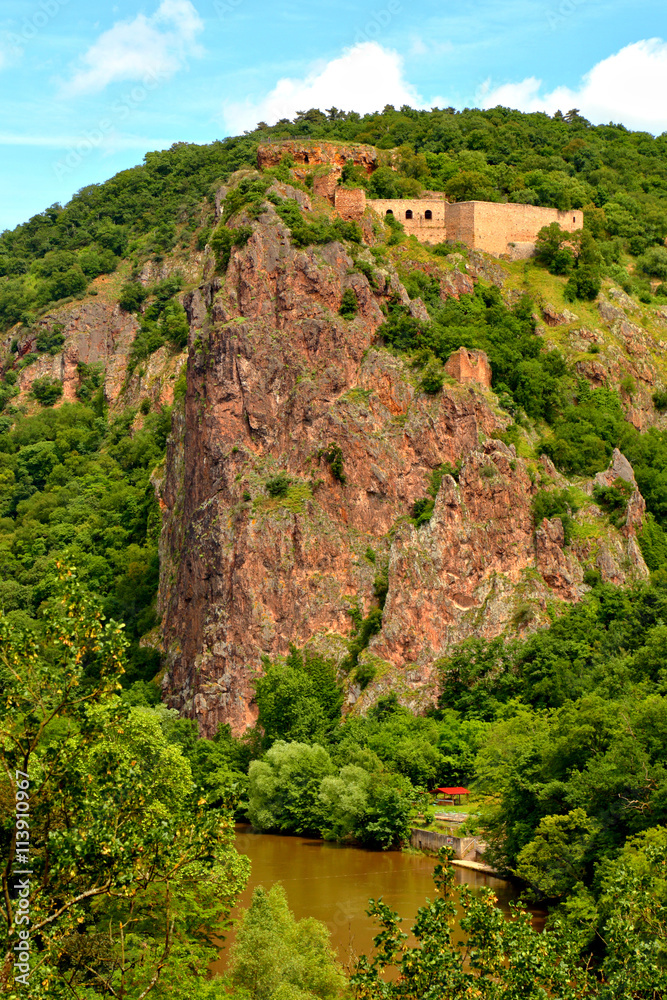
334, 883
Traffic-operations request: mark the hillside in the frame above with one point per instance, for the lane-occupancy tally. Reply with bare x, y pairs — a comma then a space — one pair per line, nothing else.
371, 515
577, 377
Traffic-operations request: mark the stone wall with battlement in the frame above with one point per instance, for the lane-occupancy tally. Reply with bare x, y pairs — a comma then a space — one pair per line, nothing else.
421, 217
504, 229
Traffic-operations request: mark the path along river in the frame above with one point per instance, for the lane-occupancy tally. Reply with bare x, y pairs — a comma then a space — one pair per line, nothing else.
334, 883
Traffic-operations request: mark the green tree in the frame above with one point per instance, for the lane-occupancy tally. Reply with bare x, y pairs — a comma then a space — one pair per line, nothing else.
554, 861
276, 957
47, 390
132, 879
503, 958
284, 787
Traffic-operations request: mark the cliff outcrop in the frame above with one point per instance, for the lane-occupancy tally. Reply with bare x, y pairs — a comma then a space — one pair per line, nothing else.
291, 476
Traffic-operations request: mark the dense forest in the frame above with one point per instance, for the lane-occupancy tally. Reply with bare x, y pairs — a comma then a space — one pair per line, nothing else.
562, 734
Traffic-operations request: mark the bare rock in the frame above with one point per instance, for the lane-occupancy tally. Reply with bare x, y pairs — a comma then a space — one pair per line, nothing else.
455, 284
418, 311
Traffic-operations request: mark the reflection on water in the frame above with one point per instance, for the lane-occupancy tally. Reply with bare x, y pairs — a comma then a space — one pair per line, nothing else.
334, 883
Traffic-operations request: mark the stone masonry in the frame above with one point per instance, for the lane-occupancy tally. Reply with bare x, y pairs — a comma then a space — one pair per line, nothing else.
469, 366
424, 218
502, 229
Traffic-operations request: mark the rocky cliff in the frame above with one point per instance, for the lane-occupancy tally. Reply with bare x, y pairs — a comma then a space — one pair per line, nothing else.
291, 475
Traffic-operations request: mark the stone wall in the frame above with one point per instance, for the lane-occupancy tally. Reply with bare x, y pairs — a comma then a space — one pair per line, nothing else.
412, 213
460, 222
469, 366
504, 229
350, 202
429, 840
497, 228
325, 184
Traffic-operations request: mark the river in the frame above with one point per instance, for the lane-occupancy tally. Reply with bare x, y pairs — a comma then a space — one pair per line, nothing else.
334, 883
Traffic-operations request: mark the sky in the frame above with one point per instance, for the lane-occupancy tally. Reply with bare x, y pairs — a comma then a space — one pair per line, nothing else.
86, 89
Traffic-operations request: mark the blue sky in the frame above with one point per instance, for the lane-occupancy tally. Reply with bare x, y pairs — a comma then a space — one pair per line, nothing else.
86, 89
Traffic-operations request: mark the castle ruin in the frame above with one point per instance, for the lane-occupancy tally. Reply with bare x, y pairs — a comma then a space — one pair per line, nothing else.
502, 229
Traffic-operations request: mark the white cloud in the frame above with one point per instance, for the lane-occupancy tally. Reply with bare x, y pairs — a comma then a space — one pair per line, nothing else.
364, 78
153, 47
628, 87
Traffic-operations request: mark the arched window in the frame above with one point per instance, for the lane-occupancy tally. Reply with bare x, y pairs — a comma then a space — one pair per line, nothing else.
389, 212
428, 214
574, 218
305, 158
408, 214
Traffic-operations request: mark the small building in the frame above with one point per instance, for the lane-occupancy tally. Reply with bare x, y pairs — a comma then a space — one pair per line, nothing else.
450, 794
466, 365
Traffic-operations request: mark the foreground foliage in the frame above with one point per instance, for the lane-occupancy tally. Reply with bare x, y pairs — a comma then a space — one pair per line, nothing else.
133, 872
502, 958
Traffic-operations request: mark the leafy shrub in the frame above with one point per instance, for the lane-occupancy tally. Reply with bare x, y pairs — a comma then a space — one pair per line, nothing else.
396, 230
95, 260
653, 543
364, 673
91, 380
279, 485
62, 286
554, 249
422, 511
433, 378
585, 283
614, 500
660, 399
203, 237
381, 585
349, 304
249, 191
367, 270
223, 240
174, 325
318, 229
333, 455
132, 295
47, 390
51, 339
654, 262
181, 384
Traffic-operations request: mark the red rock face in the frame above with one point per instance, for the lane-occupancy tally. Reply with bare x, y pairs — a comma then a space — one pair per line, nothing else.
251, 563
96, 332
310, 153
